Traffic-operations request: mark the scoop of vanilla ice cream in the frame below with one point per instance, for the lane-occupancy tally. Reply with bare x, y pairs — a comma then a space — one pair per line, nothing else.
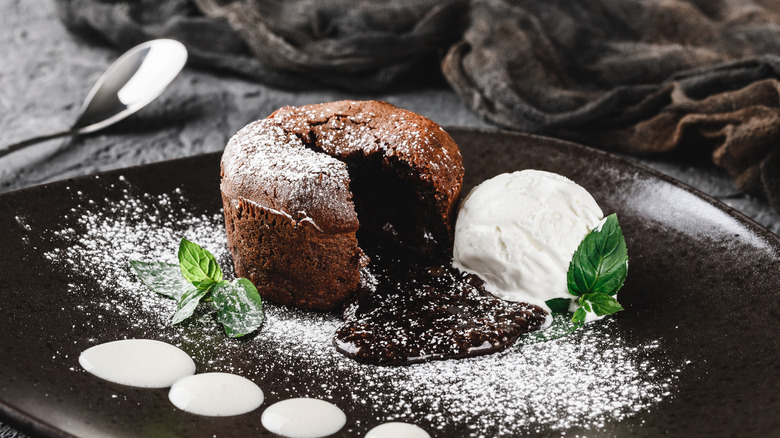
518, 232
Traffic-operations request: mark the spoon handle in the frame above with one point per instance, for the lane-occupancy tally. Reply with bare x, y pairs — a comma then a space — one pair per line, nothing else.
23, 144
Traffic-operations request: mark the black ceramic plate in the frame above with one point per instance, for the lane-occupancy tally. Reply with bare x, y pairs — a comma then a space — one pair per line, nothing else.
704, 281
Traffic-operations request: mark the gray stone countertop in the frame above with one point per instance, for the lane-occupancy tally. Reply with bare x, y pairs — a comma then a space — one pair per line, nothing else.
46, 73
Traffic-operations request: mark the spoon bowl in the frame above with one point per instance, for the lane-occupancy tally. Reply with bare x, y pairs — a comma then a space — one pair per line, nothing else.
138, 77
132, 82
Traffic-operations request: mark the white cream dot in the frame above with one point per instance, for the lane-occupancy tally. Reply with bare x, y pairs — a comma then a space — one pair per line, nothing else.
216, 395
143, 363
303, 418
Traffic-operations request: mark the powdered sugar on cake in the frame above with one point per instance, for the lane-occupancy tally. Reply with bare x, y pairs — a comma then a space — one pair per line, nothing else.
266, 161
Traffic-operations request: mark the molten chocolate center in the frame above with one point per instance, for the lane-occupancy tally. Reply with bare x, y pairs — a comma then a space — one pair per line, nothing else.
423, 311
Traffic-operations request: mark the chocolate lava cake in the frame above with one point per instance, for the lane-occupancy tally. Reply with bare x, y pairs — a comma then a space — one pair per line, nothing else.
301, 186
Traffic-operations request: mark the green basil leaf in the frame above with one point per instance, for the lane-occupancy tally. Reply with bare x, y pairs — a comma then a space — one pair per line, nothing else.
188, 303
160, 277
561, 326
198, 266
579, 316
602, 304
585, 305
600, 263
558, 305
239, 307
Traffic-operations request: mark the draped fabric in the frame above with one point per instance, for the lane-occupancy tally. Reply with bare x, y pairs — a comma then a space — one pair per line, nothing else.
697, 77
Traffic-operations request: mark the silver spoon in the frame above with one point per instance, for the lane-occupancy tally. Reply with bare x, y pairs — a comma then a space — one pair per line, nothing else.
138, 77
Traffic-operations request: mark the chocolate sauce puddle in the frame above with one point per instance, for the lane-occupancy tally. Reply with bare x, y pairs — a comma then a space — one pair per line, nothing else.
425, 310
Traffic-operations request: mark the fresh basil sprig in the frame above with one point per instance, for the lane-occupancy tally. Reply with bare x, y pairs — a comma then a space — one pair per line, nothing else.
198, 266
597, 271
198, 278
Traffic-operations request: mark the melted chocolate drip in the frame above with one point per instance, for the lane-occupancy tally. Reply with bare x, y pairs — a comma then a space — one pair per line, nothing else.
421, 310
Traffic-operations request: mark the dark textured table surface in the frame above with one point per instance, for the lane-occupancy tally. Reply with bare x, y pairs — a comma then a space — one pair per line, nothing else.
46, 72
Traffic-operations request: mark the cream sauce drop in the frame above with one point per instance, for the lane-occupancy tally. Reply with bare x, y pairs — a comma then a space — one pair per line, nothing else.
397, 430
216, 395
143, 363
303, 418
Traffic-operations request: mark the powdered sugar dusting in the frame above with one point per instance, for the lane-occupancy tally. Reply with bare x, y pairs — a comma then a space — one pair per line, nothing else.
585, 380
134, 228
275, 169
